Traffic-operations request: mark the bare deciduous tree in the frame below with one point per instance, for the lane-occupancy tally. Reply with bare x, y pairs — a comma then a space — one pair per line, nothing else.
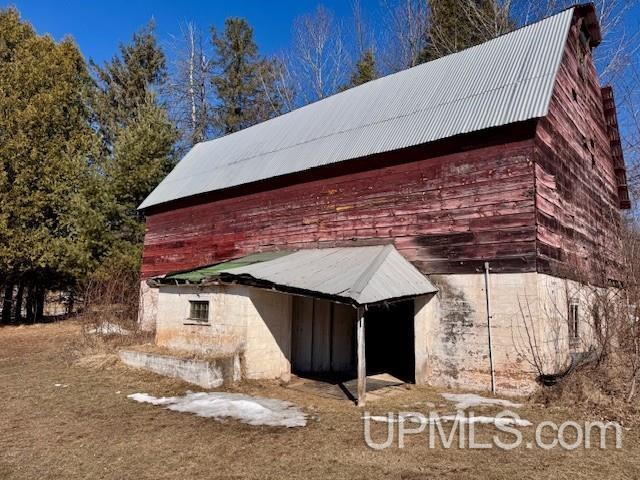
454, 26
405, 38
318, 60
278, 85
628, 99
364, 38
618, 46
188, 85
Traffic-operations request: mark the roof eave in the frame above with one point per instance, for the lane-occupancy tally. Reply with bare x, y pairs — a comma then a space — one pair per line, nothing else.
589, 13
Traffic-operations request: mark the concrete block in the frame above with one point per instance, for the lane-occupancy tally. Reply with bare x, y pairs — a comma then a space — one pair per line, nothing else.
204, 373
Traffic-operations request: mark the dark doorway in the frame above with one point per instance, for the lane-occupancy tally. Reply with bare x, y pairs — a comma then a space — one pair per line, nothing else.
389, 340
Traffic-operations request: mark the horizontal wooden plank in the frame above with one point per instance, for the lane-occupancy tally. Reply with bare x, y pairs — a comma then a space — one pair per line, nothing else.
488, 192
577, 215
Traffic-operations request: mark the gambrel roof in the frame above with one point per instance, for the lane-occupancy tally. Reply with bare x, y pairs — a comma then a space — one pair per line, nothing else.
505, 80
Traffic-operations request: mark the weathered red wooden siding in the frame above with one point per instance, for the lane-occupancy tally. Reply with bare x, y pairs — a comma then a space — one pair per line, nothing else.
611, 120
576, 193
447, 214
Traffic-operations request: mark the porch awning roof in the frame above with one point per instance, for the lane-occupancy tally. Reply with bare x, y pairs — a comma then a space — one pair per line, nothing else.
355, 275
213, 271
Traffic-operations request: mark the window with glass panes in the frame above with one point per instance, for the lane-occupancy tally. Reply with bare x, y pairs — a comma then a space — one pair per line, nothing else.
199, 310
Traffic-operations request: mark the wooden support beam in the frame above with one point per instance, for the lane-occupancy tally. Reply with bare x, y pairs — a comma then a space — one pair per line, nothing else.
362, 366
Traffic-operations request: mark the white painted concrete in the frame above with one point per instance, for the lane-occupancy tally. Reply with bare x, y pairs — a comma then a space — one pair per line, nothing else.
252, 323
451, 343
529, 326
268, 334
148, 308
425, 323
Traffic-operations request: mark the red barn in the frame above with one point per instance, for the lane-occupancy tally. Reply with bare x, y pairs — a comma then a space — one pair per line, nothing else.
495, 172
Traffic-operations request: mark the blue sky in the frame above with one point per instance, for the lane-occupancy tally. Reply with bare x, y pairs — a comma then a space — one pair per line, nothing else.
99, 27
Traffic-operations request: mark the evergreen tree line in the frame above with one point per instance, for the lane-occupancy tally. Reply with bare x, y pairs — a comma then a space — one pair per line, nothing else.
82, 144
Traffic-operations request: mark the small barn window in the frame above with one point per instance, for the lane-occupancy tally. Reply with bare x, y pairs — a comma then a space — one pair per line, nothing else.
574, 323
199, 310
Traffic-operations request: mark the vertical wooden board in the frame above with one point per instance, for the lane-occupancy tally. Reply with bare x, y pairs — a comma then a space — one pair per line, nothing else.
344, 326
576, 185
301, 334
321, 356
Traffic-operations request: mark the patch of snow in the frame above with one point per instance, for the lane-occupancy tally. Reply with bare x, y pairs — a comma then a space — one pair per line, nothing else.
466, 400
108, 328
221, 405
503, 421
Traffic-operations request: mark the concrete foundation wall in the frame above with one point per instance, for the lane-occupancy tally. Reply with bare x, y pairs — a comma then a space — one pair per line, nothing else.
268, 342
425, 325
529, 325
244, 321
459, 343
148, 308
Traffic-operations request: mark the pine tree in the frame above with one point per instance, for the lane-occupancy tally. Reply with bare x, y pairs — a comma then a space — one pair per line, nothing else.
46, 143
127, 81
458, 24
365, 70
139, 143
143, 156
243, 81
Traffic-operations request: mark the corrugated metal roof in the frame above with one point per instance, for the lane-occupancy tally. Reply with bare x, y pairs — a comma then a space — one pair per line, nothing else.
505, 80
357, 275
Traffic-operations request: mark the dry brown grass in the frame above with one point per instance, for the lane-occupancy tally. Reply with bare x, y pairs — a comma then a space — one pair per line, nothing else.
599, 390
150, 347
89, 429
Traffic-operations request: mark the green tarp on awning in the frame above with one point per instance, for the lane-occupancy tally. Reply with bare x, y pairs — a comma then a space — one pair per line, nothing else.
212, 271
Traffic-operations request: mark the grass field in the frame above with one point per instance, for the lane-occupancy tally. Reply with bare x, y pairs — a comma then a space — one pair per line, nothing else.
90, 429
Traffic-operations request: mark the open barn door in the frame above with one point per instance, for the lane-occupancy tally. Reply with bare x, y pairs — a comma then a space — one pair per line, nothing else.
389, 337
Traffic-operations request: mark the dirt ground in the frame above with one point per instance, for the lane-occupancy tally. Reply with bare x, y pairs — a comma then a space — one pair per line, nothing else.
88, 428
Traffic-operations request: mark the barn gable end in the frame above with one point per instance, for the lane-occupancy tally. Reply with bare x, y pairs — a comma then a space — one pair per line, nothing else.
577, 201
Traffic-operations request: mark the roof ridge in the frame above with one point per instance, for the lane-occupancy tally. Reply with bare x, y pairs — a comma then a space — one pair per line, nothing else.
430, 102
399, 72
363, 280
378, 122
